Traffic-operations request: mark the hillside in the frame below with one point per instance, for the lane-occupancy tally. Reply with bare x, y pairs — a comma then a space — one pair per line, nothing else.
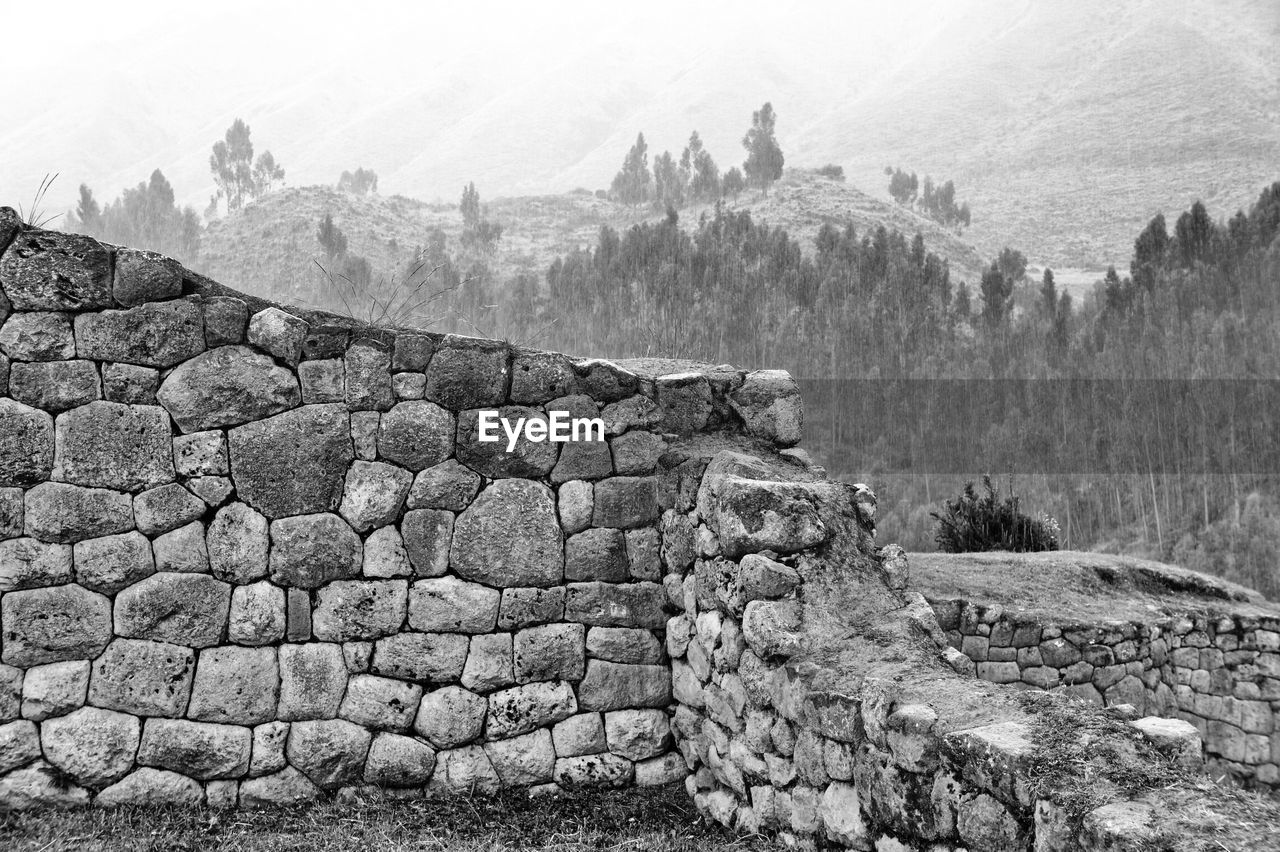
270, 248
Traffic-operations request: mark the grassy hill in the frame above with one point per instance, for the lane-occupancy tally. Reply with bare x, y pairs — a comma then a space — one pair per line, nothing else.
270, 248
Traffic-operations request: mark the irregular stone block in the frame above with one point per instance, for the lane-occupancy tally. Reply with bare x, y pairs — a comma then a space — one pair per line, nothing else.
616, 605
373, 494
239, 686
325, 341
27, 563
659, 771
635, 412
54, 624
626, 502
38, 336
1177, 739
685, 402
605, 381
448, 485
257, 614
10, 692
359, 609
368, 377
308, 551
213, 490
840, 813
380, 703
130, 384
416, 435
447, 604
428, 536
19, 744
521, 709
528, 459
54, 689
597, 554
284, 788
152, 787
10, 513
489, 664
614, 686
224, 320
637, 734
551, 652
313, 678
624, 645
385, 554
751, 516
156, 334
413, 352
593, 770
166, 508
143, 678
426, 657
297, 615
364, 434
145, 276
450, 717
463, 771
581, 459
770, 407
26, 444
202, 750
643, 554
509, 536
538, 377
293, 463
94, 746
55, 385
323, 381
190, 609
525, 760
579, 735
331, 753
227, 386
52, 271
409, 385
182, 550
762, 578
201, 454
468, 372
398, 761
110, 445
267, 754
237, 544
527, 607
576, 503
279, 333
34, 788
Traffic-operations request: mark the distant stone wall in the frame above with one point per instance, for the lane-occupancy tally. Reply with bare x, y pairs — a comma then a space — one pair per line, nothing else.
249, 554
1220, 672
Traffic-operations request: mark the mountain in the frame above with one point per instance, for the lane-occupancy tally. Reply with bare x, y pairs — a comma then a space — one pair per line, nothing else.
1066, 125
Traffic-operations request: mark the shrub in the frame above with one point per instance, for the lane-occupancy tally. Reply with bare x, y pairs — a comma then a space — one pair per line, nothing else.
972, 524
832, 171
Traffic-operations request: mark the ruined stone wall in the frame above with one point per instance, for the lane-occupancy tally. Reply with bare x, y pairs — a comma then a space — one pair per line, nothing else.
249, 554
1220, 672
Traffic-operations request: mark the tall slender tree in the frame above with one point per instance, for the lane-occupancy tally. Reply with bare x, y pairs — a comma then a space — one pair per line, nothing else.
764, 160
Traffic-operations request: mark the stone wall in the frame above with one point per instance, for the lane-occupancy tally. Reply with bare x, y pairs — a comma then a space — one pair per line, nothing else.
249, 554
1219, 671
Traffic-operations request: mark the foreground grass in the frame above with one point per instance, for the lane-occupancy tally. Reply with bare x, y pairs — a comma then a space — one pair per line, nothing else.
661, 820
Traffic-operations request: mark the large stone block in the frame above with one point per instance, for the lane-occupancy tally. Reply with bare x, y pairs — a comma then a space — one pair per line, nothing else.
468, 372
450, 717
416, 434
450, 605
129, 383
527, 459
380, 703
509, 536
19, 744
152, 787
143, 678
373, 494
616, 605
586, 459
279, 333
237, 544
257, 614
448, 485
322, 381
368, 368
225, 318
521, 709
626, 502
685, 402
770, 407
239, 686
425, 657
593, 770
145, 276
10, 691
576, 503
201, 454
413, 351
54, 624
489, 665
399, 761
308, 551
52, 271
285, 788
156, 334
637, 734
313, 678
550, 652
751, 516
538, 377
347, 610
294, 463
182, 550
26, 444
624, 645
525, 760
331, 753
55, 511
38, 336
464, 771
615, 686
227, 386
428, 537
166, 508
34, 788
579, 735
190, 609
597, 554
110, 445
55, 385
202, 750
385, 554
27, 563
54, 689
268, 748
527, 607
10, 513
93, 746
605, 381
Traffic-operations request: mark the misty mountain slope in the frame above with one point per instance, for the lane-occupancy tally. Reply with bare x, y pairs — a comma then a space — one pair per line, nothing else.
270, 248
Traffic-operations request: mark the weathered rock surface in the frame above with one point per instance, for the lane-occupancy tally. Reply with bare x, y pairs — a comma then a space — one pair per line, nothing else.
188, 609
239, 686
509, 536
268, 748
450, 605
450, 716
201, 454
227, 386
593, 770
373, 494
520, 709
257, 614
293, 463
489, 663
53, 624
130, 384
313, 678
524, 760
27, 563
143, 678
637, 734
385, 554
94, 746
347, 610
624, 645
368, 377
166, 508
427, 657
33, 787
549, 652
331, 752
468, 372
26, 444
202, 750
147, 786
55, 385
527, 607
615, 686
19, 744
576, 505
770, 407
54, 689
286, 787
237, 543
278, 333
155, 334
527, 459
380, 703
616, 604
52, 271
580, 734
538, 377
448, 485
597, 554
399, 761
465, 771
38, 336
56, 511
110, 445
428, 538
626, 502
308, 551
182, 550
145, 276
416, 434
322, 381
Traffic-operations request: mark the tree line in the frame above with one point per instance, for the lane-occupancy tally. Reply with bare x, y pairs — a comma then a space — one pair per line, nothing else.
937, 202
